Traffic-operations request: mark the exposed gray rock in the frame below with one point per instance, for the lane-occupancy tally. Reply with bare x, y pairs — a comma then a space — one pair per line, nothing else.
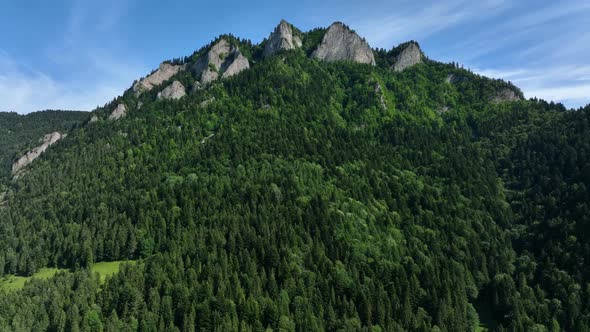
173, 91
281, 39
93, 119
379, 92
139, 105
506, 95
204, 140
28, 158
408, 57
162, 74
207, 102
340, 43
196, 86
222, 60
119, 112
443, 109
455, 78
234, 67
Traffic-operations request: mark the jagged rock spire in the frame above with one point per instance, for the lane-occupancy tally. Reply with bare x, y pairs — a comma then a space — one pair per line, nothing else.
411, 55
341, 43
222, 60
282, 38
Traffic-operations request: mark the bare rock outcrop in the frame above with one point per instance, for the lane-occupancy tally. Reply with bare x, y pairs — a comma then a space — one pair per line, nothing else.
93, 119
340, 43
235, 66
411, 55
204, 103
119, 112
453, 79
379, 92
28, 158
173, 91
222, 60
204, 140
506, 95
162, 74
281, 39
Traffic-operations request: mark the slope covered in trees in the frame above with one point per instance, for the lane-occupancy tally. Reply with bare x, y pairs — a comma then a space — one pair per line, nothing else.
20, 132
309, 196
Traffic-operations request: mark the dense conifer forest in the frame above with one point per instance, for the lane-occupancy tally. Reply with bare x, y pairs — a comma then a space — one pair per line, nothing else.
308, 196
21, 132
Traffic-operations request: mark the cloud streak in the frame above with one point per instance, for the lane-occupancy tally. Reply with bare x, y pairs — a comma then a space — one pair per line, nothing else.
568, 84
542, 48
87, 73
24, 90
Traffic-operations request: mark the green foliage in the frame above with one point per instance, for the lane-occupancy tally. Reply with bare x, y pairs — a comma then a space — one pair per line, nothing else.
18, 133
294, 201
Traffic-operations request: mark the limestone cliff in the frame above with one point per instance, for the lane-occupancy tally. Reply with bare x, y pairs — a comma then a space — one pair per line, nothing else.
30, 156
281, 39
162, 74
340, 43
174, 91
119, 112
222, 60
411, 55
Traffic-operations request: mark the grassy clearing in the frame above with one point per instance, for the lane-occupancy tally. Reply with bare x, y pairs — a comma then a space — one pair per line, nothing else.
11, 282
104, 269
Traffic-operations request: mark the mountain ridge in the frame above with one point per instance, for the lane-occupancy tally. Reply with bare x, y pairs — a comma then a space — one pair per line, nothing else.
307, 195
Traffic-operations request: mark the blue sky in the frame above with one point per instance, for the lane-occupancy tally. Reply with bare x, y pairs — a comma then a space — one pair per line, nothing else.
77, 54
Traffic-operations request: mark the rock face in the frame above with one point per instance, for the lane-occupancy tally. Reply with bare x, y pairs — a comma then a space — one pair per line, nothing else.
453, 79
173, 91
222, 60
162, 74
28, 158
379, 92
340, 43
281, 39
204, 103
236, 65
204, 140
119, 112
93, 119
409, 56
506, 95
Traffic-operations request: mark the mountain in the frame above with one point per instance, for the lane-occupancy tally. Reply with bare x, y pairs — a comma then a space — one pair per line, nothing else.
306, 188
18, 133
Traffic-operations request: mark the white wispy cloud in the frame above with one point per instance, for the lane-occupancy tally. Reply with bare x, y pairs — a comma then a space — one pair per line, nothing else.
420, 20
85, 74
543, 49
24, 90
568, 84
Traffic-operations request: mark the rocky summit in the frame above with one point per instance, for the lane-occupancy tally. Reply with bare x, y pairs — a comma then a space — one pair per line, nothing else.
299, 191
222, 60
411, 55
282, 38
341, 43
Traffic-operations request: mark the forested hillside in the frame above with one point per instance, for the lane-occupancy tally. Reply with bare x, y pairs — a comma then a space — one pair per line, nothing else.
20, 132
302, 195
